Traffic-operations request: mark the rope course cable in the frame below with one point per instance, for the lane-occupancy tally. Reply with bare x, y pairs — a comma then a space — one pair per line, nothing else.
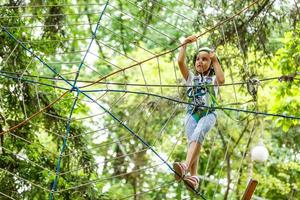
70, 88
119, 140
68, 126
74, 103
183, 102
52, 5
172, 50
6, 196
283, 78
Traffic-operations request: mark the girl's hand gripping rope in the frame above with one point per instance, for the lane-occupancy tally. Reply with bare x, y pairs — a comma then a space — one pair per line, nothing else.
190, 39
213, 56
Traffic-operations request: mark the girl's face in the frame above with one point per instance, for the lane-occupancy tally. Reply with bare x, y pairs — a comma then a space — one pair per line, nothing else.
203, 62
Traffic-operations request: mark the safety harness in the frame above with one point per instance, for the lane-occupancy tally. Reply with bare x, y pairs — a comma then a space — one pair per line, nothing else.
197, 93
199, 90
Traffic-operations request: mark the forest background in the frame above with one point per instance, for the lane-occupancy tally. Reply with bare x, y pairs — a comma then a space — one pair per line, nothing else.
101, 158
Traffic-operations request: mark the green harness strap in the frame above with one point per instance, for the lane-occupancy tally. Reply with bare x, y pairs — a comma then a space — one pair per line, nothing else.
198, 114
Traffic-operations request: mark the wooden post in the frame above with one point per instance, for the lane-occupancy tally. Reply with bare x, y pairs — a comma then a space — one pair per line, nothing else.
250, 189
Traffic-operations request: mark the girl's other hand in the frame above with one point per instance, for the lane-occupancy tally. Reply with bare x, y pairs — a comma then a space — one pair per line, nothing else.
212, 56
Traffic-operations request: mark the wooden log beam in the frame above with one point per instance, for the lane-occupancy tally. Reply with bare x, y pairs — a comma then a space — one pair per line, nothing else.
250, 189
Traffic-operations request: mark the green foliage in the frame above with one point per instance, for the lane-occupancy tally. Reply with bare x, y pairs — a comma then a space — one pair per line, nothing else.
287, 60
102, 159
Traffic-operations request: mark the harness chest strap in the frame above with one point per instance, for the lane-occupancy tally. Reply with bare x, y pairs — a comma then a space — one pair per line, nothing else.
197, 113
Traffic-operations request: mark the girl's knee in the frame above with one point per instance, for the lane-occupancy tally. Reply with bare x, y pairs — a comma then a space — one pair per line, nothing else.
198, 137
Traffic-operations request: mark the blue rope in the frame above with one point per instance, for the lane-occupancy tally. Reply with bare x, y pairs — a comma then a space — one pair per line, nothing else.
136, 84
94, 36
32, 81
163, 97
140, 139
63, 148
113, 116
73, 88
37, 57
188, 103
74, 104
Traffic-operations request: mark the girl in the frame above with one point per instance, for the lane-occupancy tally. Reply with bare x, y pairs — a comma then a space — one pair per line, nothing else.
199, 120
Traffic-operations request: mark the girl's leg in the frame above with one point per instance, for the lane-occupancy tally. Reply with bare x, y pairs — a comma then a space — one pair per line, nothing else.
203, 127
194, 167
192, 181
193, 156
182, 168
190, 125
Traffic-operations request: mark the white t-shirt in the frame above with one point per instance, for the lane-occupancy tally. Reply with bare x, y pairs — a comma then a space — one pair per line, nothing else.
205, 98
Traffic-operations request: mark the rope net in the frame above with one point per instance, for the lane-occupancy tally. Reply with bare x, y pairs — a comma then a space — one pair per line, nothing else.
99, 102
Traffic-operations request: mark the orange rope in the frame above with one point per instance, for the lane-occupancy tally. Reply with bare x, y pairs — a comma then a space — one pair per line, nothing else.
35, 114
170, 51
139, 63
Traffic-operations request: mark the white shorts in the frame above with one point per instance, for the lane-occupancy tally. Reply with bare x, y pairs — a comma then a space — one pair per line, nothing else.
197, 131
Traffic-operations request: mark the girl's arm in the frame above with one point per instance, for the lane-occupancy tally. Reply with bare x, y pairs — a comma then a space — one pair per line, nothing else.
181, 57
220, 79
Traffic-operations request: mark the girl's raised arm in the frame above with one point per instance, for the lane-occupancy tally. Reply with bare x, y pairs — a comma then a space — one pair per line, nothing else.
181, 57
220, 79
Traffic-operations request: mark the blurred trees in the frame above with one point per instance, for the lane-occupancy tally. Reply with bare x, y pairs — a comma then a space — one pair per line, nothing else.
103, 160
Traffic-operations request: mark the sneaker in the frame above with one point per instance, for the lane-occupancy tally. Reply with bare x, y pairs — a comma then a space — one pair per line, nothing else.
180, 169
191, 182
